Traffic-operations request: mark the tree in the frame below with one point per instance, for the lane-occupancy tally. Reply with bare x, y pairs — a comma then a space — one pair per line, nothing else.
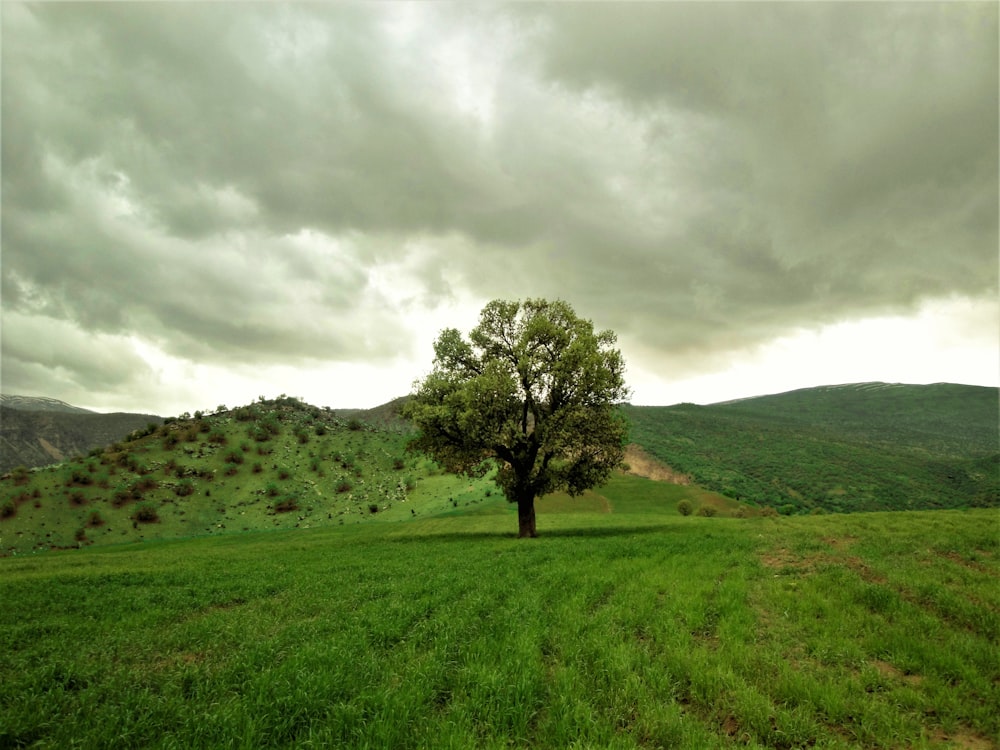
533, 393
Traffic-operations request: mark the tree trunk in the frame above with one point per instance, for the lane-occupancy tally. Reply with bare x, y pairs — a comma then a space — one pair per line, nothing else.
526, 517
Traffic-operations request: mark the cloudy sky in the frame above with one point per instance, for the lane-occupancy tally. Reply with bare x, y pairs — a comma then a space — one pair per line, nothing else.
207, 202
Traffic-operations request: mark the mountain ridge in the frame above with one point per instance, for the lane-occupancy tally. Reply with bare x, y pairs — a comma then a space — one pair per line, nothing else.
40, 403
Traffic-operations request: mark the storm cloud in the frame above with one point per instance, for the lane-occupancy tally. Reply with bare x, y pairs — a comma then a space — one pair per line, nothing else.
264, 184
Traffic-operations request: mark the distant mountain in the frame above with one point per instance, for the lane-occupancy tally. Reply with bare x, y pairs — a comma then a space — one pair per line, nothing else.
866, 446
40, 403
40, 431
384, 415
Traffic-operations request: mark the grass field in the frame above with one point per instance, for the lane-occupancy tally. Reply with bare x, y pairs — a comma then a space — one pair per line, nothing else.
624, 625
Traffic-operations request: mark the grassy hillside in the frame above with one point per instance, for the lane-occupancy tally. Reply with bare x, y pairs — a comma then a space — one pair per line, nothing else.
277, 464
270, 465
625, 626
862, 447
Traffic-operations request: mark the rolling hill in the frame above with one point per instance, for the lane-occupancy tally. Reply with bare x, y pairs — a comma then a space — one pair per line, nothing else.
867, 446
283, 464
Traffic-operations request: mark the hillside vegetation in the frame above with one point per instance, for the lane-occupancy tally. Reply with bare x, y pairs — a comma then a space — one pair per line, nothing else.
274, 464
621, 627
867, 447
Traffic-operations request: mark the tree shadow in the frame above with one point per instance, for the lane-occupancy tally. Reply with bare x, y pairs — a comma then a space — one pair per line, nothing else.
583, 532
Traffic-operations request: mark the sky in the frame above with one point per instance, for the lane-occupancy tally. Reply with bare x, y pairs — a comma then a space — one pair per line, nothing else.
204, 203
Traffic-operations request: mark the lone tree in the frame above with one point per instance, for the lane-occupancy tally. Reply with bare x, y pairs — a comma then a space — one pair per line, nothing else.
533, 392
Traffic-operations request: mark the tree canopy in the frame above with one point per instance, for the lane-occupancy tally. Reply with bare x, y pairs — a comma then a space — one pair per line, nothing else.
533, 392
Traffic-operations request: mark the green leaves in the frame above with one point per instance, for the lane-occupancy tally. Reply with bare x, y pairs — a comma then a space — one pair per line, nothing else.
533, 389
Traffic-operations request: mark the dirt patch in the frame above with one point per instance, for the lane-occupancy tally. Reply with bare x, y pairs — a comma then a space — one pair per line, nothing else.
956, 558
893, 672
53, 452
783, 559
965, 739
842, 542
641, 464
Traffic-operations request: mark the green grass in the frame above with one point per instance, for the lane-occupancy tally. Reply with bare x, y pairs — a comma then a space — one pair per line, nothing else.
624, 625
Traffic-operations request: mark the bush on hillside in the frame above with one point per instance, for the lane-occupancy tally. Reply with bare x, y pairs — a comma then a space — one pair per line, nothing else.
707, 511
287, 504
684, 507
145, 513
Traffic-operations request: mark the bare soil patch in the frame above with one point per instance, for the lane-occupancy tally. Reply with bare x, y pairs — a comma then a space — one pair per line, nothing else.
642, 464
964, 739
890, 670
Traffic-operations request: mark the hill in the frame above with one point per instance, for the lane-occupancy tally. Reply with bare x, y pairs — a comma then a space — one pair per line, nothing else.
869, 446
31, 436
275, 464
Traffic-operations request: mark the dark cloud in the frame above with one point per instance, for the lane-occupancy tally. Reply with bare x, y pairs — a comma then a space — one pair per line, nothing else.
290, 183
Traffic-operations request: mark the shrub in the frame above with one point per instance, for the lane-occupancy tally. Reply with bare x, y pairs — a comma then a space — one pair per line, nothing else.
8, 509
145, 513
77, 498
355, 425
287, 504
271, 490
284, 473
259, 433
234, 457
20, 475
184, 488
121, 495
343, 486
768, 512
707, 511
257, 468
684, 507
398, 464
144, 483
78, 476
321, 429
372, 508
95, 519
